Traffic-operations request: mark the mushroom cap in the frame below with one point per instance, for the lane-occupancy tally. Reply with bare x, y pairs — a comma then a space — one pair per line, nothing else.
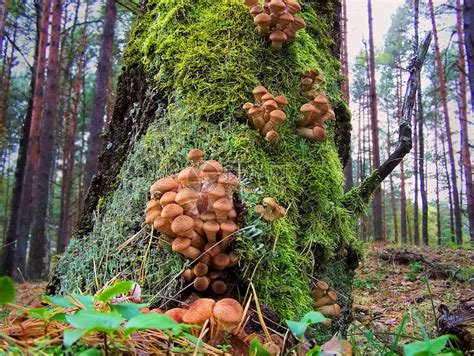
332, 295
199, 311
307, 108
182, 224
198, 224
272, 136
201, 283
211, 226
262, 19
229, 179
232, 215
228, 311
186, 196
153, 205
180, 244
168, 198
293, 6
286, 18
256, 111
278, 36
306, 81
234, 258
270, 105
311, 73
281, 101
188, 275
228, 227
208, 215
221, 261
280, 212
247, 106
213, 249
255, 10
223, 204
171, 211
176, 314
164, 185
298, 23
277, 116
151, 216
218, 287
160, 222
259, 209
195, 155
270, 202
277, 6
260, 90
211, 167
330, 115
218, 191
319, 134
322, 285
200, 269
268, 96
189, 174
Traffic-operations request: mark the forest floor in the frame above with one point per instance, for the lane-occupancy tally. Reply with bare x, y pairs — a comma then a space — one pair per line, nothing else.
386, 291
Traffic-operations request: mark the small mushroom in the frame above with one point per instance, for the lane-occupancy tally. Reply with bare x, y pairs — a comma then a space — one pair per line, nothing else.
222, 207
198, 224
197, 241
151, 216
211, 228
168, 198
188, 275
277, 6
220, 261
258, 92
153, 205
183, 246
319, 134
228, 228
218, 287
183, 225
272, 136
267, 96
164, 226
195, 155
278, 38
285, 20
281, 101
163, 185
227, 313
263, 21
176, 314
276, 118
328, 299
213, 249
308, 111
255, 10
199, 311
171, 211
191, 177
250, 3
214, 194
200, 270
212, 169
306, 132
201, 283
207, 216
230, 182
247, 106
298, 23
331, 311
293, 6
188, 199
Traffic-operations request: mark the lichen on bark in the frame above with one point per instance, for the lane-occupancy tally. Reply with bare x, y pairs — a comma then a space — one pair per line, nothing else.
204, 57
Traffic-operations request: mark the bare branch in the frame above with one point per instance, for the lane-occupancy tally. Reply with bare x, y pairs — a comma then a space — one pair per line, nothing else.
356, 199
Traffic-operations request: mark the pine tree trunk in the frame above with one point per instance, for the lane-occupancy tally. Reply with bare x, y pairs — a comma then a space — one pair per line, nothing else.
173, 95
3, 20
32, 159
416, 223
463, 122
377, 197
100, 92
444, 101
437, 173
5, 92
393, 201
38, 257
469, 43
69, 149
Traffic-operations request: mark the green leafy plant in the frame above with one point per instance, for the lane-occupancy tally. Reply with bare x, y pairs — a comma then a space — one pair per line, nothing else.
7, 291
257, 349
298, 328
414, 270
432, 347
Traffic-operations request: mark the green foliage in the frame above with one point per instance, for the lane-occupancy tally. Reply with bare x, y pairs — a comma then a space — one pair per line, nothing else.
7, 290
431, 347
298, 328
118, 288
257, 349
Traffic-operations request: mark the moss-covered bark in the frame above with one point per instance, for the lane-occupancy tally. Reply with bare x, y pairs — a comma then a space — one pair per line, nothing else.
190, 65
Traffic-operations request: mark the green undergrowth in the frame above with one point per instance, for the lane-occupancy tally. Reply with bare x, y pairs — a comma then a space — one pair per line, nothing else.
206, 56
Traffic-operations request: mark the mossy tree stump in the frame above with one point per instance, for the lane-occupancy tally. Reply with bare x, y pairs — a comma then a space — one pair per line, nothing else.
189, 67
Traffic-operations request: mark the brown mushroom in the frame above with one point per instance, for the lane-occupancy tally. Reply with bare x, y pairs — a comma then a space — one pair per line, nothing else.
153, 205
331, 311
198, 224
151, 216
227, 313
188, 275
199, 311
171, 211
195, 155
163, 185
188, 199
263, 22
276, 118
250, 3
183, 246
220, 261
211, 228
213, 249
168, 198
298, 23
228, 228
183, 225
293, 6
164, 226
214, 194
200, 270
277, 6
230, 182
247, 106
211, 169
267, 96
197, 241
234, 259
201, 283
222, 207
191, 177
272, 136
176, 314
285, 20
328, 299
256, 115
281, 101
207, 216
308, 111
319, 134
255, 10
258, 92
306, 132
278, 38
218, 287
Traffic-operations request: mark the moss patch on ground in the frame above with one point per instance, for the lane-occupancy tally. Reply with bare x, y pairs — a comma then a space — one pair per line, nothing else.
207, 57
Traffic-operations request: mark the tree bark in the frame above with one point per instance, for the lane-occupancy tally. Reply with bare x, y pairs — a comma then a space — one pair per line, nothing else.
437, 173
38, 257
32, 158
463, 121
146, 109
6, 86
469, 43
69, 149
3, 20
444, 101
377, 197
98, 107
416, 222
393, 201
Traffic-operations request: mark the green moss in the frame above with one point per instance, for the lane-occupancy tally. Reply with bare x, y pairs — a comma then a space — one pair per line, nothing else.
206, 57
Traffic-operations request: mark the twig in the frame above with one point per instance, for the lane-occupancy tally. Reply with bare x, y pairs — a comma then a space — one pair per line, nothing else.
365, 190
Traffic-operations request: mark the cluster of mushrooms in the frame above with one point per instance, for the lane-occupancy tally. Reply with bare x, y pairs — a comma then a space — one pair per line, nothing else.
311, 82
266, 114
325, 300
195, 209
270, 210
315, 113
277, 20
